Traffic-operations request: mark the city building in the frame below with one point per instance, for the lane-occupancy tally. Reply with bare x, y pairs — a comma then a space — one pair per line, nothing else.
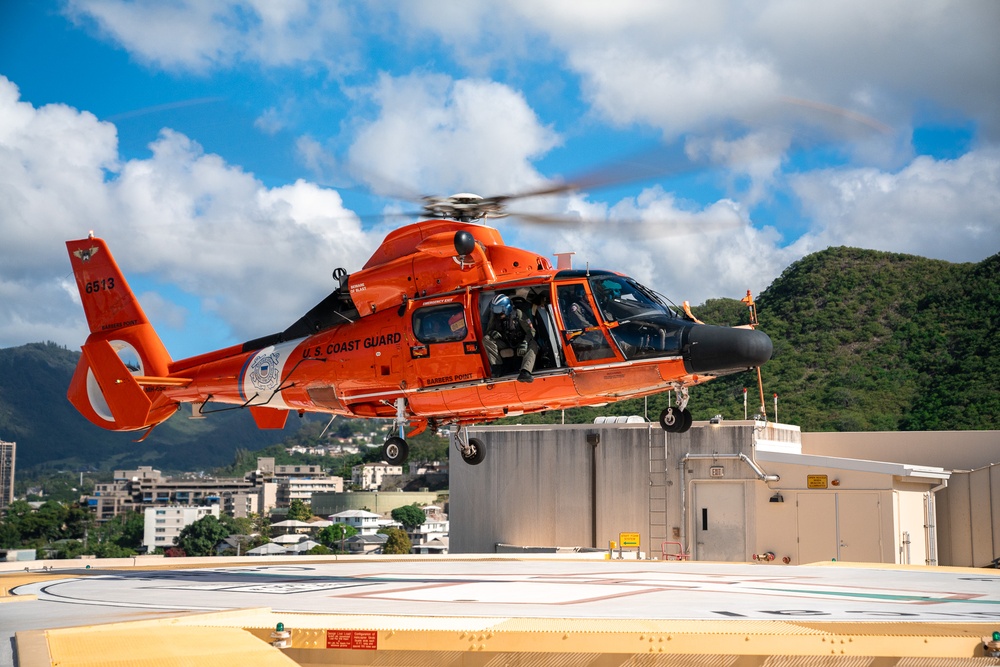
8, 452
435, 547
295, 488
366, 523
380, 502
366, 544
368, 476
163, 525
145, 487
258, 492
427, 532
295, 481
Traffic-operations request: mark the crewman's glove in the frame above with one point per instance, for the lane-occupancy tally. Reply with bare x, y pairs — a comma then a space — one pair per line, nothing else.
522, 349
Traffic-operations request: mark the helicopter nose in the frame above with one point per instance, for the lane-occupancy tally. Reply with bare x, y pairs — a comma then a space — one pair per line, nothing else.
713, 349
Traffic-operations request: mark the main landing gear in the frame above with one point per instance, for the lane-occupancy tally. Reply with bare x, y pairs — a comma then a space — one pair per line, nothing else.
395, 450
472, 450
677, 418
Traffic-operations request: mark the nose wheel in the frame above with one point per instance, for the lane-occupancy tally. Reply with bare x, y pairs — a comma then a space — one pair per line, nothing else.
677, 418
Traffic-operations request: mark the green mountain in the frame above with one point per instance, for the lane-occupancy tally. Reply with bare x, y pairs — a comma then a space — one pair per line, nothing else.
51, 434
863, 340
870, 340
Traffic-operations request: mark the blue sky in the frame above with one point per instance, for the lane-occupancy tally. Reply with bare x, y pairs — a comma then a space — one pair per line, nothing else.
233, 153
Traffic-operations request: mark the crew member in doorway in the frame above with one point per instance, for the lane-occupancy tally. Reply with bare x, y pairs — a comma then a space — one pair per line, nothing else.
509, 333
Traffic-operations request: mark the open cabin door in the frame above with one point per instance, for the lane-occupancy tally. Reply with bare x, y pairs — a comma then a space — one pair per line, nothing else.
504, 354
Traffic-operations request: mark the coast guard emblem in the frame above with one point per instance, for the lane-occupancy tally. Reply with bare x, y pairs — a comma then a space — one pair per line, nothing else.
264, 371
85, 254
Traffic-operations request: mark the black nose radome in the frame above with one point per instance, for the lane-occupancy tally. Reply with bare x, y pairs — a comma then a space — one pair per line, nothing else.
716, 349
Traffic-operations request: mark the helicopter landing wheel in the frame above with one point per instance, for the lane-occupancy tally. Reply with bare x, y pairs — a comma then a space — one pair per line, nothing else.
688, 420
675, 420
473, 453
395, 450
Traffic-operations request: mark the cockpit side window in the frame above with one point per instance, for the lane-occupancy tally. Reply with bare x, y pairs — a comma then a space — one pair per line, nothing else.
619, 298
440, 324
641, 324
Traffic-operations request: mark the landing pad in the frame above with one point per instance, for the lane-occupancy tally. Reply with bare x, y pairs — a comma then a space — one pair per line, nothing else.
533, 606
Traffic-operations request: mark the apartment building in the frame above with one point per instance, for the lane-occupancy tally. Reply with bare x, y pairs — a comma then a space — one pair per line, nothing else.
8, 455
145, 487
258, 492
368, 476
163, 525
366, 523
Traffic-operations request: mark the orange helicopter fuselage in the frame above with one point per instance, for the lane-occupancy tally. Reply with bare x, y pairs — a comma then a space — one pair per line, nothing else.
403, 337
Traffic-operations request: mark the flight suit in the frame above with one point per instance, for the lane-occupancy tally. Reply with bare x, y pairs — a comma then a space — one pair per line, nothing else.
515, 333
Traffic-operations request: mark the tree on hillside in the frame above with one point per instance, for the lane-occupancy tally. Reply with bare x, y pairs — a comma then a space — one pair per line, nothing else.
397, 543
410, 516
201, 537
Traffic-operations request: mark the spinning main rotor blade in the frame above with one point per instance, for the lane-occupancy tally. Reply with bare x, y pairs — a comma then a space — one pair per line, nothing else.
644, 166
635, 226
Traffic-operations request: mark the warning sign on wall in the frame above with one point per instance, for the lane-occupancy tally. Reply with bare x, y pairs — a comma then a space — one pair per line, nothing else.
816, 481
364, 640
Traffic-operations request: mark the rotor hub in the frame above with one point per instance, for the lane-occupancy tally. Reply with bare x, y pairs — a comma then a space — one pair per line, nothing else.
463, 207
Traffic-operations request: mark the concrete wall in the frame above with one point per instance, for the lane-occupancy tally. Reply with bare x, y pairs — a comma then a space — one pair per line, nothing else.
325, 504
968, 509
969, 518
952, 450
547, 486
535, 486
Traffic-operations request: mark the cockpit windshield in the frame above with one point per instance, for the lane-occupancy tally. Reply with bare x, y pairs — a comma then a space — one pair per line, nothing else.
640, 321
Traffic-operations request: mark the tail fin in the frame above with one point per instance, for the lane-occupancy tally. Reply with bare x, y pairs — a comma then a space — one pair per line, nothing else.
121, 349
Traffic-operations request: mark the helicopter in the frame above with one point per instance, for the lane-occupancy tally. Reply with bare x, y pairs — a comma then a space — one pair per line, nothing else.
419, 335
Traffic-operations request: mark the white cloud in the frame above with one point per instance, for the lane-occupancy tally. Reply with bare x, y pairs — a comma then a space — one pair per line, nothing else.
436, 135
692, 90
194, 35
687, 66
259, 256
315, 157
687, 252
431, 136
757, 155
256, 256
945, 209
681, 67
270, 121
50, 150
